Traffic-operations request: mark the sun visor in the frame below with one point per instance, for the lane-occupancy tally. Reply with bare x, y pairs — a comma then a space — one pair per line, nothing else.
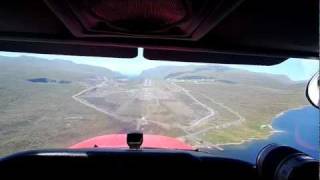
70, 48
210, 57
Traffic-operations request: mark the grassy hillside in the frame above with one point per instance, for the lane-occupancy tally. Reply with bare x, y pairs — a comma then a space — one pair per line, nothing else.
44, 115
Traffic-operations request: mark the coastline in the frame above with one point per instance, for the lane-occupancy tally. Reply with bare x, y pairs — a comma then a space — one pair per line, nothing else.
271, 132
292, 109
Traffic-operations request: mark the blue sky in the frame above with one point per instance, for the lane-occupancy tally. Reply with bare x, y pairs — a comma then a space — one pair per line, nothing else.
295, 69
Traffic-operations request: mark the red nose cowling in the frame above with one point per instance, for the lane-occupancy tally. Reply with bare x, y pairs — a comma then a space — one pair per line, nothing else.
119, 141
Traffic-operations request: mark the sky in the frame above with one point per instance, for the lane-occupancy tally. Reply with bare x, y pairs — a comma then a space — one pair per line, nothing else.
295, 69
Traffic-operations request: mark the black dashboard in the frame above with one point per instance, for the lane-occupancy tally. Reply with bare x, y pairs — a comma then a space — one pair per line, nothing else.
274, 163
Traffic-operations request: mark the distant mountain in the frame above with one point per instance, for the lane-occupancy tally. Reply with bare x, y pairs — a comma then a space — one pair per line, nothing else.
221, 74
162, 72
30, 67
165, 72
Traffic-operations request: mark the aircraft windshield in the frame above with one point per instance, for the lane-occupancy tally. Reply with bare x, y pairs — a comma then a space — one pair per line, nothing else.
50, 101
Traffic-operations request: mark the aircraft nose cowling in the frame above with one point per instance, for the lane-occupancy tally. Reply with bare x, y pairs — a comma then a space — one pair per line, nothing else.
120, 141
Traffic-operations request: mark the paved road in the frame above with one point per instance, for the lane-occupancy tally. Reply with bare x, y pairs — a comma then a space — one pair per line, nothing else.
196, 122
77, 97
154, 93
